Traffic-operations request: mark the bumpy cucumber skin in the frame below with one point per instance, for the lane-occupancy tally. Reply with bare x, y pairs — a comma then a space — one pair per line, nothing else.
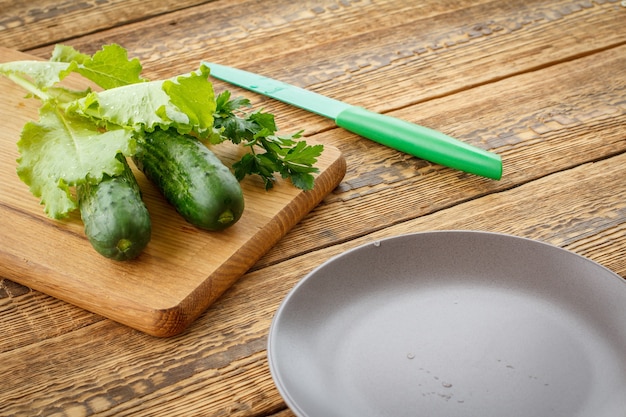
116, 220
192, 179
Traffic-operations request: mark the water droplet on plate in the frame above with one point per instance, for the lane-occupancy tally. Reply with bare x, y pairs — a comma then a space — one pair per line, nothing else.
410, 356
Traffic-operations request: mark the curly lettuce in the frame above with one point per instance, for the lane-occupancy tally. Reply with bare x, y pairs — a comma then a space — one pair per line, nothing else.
79, 133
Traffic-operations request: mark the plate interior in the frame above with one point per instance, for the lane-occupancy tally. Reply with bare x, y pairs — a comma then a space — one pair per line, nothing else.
453, 324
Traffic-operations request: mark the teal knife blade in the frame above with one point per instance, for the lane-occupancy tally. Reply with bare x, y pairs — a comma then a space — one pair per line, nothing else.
395, 133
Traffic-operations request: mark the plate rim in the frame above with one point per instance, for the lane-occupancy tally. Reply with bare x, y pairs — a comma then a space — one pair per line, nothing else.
293, 292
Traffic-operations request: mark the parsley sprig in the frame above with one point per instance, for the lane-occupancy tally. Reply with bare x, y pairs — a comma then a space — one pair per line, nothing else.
269, 153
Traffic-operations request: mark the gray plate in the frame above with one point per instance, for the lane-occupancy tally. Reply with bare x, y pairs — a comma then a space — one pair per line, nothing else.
453, 324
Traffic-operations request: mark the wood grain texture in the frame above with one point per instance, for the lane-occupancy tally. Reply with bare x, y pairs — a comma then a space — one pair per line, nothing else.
219, 366
182, 271
362, 60
27, 319
540, 82
501, 100
541, 122
28, 24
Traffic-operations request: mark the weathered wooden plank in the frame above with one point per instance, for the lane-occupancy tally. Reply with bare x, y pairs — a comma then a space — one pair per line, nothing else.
540, 122
30, 24
26, 317
581, 209
506, 100
406, 55
284, 413
488, 56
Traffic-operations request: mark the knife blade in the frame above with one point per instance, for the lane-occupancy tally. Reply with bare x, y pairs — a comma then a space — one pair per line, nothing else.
404, 136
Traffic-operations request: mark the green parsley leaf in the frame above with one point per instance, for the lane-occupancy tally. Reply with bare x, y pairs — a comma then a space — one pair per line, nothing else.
269, 153
224, 106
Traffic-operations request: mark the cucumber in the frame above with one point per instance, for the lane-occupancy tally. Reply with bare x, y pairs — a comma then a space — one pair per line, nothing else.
191, 177
116, 220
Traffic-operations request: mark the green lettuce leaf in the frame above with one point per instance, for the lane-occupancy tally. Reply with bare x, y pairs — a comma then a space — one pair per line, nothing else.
193, 95
43, 74
108, 68
65, 53
185, 103
133, 105
58, 152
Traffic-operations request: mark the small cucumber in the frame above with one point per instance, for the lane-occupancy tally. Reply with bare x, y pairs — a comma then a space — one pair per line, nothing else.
192, 179
117, 222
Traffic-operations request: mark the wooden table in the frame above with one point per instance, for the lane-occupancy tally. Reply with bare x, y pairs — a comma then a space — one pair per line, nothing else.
541, 83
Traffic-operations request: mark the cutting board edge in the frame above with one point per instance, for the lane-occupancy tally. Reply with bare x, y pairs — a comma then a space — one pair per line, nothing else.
177, 311
172, 320
189, 309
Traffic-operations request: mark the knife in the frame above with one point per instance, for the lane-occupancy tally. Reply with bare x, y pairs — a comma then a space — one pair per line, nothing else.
395, 133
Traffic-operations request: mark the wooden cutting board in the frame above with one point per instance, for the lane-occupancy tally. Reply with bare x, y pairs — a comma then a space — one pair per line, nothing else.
182, 271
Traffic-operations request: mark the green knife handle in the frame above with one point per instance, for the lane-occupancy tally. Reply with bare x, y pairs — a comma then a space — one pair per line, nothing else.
420, 141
